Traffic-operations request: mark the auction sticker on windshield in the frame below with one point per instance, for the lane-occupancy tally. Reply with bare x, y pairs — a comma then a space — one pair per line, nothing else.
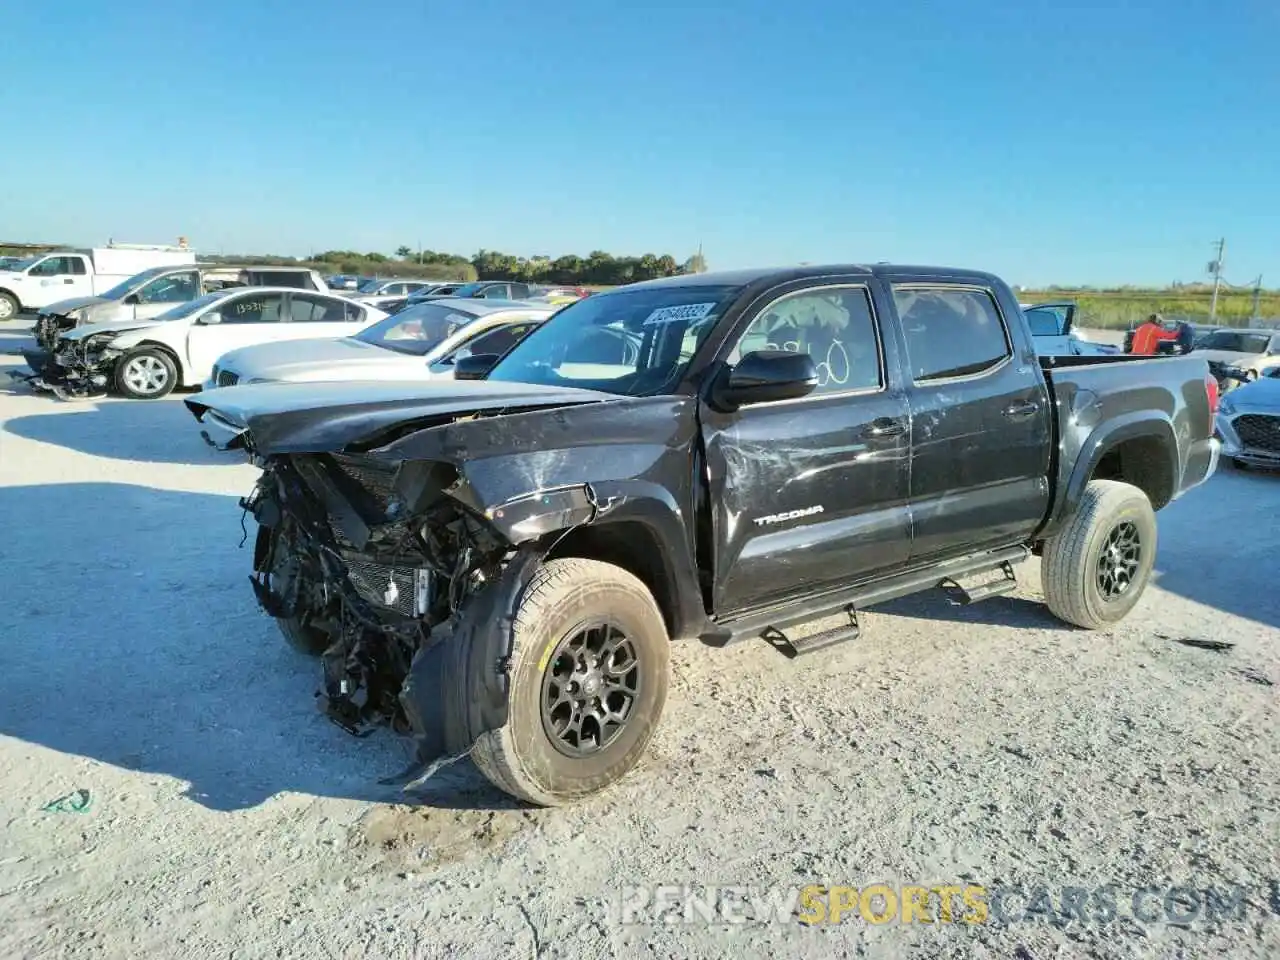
688, 311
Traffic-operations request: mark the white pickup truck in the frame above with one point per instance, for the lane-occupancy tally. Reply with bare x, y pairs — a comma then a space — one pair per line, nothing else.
62, 274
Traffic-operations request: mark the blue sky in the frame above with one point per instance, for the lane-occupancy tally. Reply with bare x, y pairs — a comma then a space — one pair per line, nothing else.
1108, 143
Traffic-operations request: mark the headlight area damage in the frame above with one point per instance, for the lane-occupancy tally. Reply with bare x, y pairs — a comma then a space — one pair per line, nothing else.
405, 592
419, 539
78, 369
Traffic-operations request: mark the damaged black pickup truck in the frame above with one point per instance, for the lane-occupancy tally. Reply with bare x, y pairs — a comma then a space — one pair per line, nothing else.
497, 564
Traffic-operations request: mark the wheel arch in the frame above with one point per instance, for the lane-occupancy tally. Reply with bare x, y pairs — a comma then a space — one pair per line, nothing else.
1141, 450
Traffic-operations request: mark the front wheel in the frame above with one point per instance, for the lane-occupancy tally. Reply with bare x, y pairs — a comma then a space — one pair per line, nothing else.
589, 669
9, 306
146, 374
1096, 567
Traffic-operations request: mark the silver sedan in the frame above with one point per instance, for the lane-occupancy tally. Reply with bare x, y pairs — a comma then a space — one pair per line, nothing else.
423, 341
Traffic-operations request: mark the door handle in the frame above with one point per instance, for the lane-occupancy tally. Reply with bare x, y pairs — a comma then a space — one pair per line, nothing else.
68, 280
884, 427
1021, 411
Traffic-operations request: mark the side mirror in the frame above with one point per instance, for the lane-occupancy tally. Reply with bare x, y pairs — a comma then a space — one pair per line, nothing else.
132, 299
212, 317
768, 375
474, 367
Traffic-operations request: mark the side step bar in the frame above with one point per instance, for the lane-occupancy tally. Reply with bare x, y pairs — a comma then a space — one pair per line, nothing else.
770, 623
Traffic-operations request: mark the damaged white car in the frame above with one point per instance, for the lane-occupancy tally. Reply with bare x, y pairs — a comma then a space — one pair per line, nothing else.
146, 359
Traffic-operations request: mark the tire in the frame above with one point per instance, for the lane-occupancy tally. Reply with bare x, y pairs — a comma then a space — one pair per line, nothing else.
296, 631
9, 306
146, 374
1109, 515
565, 595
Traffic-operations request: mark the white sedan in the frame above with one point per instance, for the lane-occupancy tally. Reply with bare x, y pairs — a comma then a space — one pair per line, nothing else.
420, 342
147, 359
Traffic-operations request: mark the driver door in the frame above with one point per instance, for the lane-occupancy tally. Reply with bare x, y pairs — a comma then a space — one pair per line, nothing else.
813, 492
240, 320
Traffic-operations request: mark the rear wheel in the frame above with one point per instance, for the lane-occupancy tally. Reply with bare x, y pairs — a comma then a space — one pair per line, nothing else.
588, 680
147, 374
1097, 566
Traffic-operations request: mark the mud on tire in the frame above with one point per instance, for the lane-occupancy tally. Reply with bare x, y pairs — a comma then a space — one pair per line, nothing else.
578, 612
1097, 565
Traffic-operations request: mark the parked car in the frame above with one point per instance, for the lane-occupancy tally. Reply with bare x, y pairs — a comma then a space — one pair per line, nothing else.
559, 295
343, 282
392, 287
1240, 356
500, 565
146, 359
52, 277
1249, 422
482, 289
420, 342
1053, 329
156, 291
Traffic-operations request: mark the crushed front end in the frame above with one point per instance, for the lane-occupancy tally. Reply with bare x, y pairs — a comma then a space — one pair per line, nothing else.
76, 369
371, 564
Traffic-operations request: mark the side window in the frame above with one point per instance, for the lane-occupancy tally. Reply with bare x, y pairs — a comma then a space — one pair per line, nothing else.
77, 266
950, 331
53, 267
497, 341
171, 288
306, 308
1045, 321
498, 292
253, 308
833, 325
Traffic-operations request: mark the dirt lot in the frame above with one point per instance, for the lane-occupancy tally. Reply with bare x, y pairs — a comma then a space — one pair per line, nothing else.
986, 745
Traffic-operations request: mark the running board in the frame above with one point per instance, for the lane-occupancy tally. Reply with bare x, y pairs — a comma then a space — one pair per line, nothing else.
792, 646
775, 620
1007, 582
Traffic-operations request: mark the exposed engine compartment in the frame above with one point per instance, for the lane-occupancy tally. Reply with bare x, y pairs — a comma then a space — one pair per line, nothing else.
366, 562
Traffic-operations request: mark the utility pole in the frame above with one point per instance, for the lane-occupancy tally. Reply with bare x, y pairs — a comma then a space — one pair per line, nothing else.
1216, 269
1257, 300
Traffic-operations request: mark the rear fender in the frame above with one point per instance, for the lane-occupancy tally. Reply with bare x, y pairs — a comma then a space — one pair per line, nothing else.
1104, 438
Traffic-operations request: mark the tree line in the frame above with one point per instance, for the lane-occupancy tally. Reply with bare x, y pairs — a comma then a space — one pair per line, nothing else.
598, 268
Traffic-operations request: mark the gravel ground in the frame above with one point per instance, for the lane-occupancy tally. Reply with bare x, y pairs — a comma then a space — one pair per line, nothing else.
986, 745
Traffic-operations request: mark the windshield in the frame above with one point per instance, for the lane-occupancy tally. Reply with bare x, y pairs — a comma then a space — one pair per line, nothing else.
372, 286
17, 266
196, 305
123, 289
629, 342
417, 330
1236, 342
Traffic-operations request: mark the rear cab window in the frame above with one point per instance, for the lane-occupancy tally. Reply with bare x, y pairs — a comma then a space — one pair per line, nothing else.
951, 330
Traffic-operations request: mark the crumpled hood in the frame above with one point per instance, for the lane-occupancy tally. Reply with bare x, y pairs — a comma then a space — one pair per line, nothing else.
108, 326
321, 359
1262, 394
326, 417
63, 307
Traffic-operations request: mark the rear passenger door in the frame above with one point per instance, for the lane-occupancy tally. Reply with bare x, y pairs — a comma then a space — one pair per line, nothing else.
812, 492
980, 424
313, 315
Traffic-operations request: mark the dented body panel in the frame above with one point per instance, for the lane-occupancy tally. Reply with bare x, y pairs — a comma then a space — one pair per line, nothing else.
400, 522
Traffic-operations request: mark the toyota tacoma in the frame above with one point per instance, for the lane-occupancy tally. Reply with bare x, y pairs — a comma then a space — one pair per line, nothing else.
497, 565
